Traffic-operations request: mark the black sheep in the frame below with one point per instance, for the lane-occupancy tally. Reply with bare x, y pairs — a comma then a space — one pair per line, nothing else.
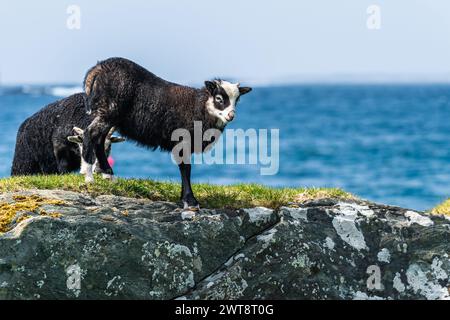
147, 109
46, 143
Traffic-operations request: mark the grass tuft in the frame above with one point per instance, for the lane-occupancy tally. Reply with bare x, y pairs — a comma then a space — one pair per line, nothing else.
443, 208
210, 196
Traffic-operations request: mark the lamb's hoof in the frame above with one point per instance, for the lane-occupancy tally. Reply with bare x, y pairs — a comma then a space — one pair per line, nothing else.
187, 206
108, 176
89, 179
188, 212
187, 215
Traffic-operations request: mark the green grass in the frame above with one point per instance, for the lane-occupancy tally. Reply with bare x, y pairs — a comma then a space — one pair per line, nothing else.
210, 196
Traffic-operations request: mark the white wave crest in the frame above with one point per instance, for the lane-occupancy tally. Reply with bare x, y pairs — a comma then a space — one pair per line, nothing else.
63, 91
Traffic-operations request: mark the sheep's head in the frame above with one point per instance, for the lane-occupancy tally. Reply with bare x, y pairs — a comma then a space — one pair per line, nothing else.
79, 135
223, 98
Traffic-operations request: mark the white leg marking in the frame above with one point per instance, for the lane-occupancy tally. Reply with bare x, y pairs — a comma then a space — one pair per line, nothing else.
107, 176
83, 167
89, 176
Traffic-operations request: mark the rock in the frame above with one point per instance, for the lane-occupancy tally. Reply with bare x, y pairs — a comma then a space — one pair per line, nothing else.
113, 247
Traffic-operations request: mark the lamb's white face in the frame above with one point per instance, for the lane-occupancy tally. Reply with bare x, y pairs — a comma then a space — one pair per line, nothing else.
223, 98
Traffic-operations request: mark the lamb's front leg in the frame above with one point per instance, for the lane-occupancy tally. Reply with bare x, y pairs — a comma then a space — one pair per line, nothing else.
93, 146
87, 158
102, 159
187, 195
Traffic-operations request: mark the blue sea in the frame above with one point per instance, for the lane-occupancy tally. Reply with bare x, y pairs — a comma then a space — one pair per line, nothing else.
386, 143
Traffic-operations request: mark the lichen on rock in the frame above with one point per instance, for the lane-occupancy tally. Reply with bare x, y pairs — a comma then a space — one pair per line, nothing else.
21, 207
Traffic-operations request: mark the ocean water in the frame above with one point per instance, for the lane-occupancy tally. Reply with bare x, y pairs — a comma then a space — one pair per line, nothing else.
386, 143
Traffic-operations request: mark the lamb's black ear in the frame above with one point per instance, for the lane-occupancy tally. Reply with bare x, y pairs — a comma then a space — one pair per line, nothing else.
244, 90
210, 86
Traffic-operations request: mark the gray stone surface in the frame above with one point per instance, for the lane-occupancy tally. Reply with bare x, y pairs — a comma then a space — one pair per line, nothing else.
121, 248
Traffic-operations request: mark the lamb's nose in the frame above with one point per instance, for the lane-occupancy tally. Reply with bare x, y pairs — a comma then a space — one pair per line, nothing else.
230, 116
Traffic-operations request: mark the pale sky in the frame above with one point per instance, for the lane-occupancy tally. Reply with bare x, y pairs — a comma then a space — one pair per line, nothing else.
191, 41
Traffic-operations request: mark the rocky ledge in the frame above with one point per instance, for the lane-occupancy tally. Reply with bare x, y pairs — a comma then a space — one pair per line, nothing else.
110, 247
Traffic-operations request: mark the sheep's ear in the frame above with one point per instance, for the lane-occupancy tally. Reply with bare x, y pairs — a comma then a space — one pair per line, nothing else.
78, 131
210, 86
117, 139
75, 139
244, 90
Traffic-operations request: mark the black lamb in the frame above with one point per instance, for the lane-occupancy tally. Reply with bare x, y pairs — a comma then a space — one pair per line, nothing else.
147, 109
50, 141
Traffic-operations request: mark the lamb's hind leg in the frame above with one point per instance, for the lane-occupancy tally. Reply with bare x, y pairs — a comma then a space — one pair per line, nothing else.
62, 160
94, 147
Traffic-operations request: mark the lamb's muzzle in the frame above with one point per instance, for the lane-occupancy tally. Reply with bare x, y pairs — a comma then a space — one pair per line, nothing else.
230, 116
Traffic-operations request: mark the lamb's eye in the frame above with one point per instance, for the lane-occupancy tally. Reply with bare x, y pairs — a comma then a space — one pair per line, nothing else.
219, 99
